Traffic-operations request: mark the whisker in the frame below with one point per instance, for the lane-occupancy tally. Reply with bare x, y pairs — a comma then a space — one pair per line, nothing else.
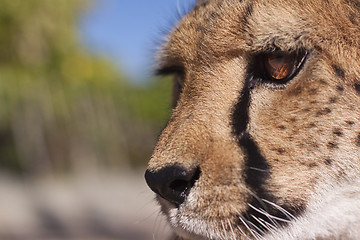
212, 202
224, 230
256, 227
244, 223
264, 213
254, 233
148, 217
232, 230
260, 200
156, 226
258, 169
242, 231
164, 227
281, 209
263, 223
178, 8
268, 215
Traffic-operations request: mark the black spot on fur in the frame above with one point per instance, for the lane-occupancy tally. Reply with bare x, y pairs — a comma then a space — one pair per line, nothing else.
338, 132
349, 122
323, 82
293, 119
190, 116
339, 71
281, 150
333, 99
315, 145
328, 161
282, 127
301, 145
332, 145
323, 112
358, 140
313, 91
357, 87
311, 125
340, 88
312, 165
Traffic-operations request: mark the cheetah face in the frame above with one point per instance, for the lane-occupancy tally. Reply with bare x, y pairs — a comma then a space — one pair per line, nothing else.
266, 116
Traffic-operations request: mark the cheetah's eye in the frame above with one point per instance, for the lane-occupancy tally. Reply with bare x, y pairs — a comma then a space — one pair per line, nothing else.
279, 67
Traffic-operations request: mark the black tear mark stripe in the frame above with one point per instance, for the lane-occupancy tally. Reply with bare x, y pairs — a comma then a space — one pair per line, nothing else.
240, 116
256, 167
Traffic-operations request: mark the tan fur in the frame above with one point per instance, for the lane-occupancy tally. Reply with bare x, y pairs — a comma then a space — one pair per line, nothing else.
308, 131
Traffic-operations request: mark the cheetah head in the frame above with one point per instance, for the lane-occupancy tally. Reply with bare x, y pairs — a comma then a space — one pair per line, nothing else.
266, 114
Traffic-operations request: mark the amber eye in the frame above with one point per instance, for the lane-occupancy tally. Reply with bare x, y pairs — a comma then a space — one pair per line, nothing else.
282, 66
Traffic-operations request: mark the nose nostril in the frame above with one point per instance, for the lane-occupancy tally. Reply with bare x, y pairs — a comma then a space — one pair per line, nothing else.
172, 183
179, 185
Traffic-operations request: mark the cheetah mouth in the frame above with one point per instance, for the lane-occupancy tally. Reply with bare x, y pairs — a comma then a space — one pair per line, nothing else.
174, 216
260, 216
185, 224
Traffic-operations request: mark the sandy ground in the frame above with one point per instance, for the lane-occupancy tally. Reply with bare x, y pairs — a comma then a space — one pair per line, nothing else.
90, 206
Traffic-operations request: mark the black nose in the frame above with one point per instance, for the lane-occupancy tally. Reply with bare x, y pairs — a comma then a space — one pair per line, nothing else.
172, 183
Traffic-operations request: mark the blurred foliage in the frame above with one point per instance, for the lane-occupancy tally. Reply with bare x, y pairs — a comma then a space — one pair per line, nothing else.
62, 108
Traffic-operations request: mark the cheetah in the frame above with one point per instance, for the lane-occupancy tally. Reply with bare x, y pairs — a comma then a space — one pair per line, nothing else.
264, 137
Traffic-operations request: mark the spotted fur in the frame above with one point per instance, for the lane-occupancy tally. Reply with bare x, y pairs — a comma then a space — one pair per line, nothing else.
274, 161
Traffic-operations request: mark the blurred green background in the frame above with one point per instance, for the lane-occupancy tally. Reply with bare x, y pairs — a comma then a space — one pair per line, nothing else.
62, 107
76, 131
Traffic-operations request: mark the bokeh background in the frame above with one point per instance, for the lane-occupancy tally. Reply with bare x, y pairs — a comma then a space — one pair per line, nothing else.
79, 115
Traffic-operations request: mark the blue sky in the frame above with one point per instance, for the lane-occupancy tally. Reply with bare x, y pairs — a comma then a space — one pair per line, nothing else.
128, 31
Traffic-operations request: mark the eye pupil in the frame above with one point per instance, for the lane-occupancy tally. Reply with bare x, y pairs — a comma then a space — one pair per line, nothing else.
279, 66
